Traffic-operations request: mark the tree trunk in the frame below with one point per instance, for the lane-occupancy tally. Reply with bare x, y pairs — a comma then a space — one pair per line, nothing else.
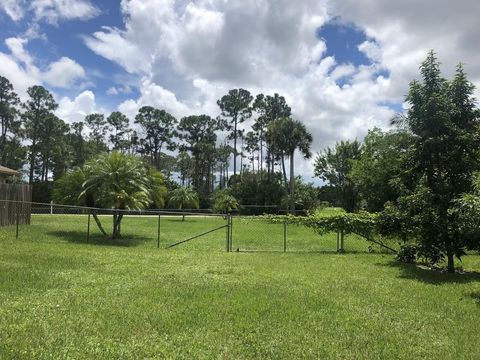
117, 220
292, 184
450, 262
32, 161
241, 158
285, 174
99, 224
235, 148
261, 154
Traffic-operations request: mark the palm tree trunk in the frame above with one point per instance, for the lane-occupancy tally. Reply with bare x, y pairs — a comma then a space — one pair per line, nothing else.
99, 224
284, 174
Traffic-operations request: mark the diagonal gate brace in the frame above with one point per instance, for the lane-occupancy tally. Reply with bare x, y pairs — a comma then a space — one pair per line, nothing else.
197, 236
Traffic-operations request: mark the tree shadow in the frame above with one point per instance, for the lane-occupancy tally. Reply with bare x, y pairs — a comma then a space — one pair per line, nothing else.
432, 276
294, 251
476, 297
80, 237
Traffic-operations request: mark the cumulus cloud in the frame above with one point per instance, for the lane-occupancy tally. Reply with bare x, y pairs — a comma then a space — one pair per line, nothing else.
189, 54
75, 110
154, 95
405, 31
63, 73
19, 67
184, 55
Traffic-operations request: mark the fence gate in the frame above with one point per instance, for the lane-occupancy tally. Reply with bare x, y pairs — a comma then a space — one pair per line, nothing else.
210, 228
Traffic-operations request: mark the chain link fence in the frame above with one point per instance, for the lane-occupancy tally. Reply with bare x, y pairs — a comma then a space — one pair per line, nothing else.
167, 229
151, 228
254, 233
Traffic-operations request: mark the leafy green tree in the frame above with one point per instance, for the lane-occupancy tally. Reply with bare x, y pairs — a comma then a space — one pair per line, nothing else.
183, 198
38, 108
157, 188
10, 125
119, 124
199, 132
98, 130
158, 128
236, 107
68, 189
184, 165
290, 135
54, 154
334, 165
268, 108
82, 149
224, 202
252, 146
444, 123
258, 189
374, 173
222, 156
306, 195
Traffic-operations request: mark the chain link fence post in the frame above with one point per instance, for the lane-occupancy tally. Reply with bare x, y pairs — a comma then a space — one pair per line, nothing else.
284, 236
227, 235
17, 220
88, 226
158, 232
231, 232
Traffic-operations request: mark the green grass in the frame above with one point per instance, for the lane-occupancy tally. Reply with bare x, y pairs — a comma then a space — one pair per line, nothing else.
63, 298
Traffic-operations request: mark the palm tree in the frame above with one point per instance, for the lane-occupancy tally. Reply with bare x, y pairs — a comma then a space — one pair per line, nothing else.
184, 197
290, 135
120, 182
224, 202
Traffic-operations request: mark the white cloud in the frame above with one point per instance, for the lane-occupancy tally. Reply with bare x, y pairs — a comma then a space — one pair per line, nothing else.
63, 73
189, 54
54, 10
184, 55
155, 95
13, 8
19, 67
50, 11
121, 89
405, 31
108, 43
75, 110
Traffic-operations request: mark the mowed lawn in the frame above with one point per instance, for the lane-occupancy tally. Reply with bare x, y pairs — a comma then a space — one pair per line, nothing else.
61, 297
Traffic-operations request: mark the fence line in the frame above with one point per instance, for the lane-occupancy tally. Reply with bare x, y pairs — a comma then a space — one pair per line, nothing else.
167, 229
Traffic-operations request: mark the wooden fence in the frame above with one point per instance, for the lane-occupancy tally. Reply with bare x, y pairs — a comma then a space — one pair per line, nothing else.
15, 204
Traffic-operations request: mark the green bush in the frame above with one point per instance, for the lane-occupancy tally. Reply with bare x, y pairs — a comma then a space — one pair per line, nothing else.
407, 254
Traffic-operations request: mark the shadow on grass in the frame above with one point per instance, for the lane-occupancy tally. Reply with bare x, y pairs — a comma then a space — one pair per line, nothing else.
328, 252
432, 276
476, 297
80, 237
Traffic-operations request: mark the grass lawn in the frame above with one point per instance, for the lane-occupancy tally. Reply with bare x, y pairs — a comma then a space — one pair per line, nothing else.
61, 297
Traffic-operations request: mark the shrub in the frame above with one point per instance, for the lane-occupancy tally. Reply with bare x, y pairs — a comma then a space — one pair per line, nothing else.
407, 254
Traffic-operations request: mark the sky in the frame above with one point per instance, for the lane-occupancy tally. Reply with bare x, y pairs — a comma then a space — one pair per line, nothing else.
343, 66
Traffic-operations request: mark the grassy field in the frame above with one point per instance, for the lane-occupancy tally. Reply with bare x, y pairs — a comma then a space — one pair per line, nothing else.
61, 297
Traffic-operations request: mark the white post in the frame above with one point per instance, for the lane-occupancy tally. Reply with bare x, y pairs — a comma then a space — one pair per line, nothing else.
51, 207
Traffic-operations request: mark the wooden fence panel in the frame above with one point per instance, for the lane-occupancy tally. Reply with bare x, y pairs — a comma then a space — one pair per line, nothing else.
9, 209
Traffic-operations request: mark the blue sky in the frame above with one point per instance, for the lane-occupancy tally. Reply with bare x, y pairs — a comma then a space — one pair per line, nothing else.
343, 66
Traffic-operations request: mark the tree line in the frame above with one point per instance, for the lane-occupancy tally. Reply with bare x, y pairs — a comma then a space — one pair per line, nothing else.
198, 149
